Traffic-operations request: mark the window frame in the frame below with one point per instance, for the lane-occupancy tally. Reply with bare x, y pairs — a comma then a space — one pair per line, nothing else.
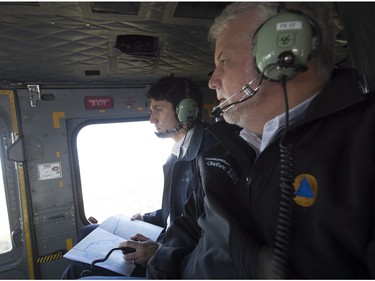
78, 188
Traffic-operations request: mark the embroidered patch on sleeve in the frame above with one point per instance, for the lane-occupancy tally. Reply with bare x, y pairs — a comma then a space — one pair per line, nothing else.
305, 190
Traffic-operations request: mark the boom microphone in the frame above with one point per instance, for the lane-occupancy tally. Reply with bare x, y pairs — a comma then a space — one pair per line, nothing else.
168, 132
247, 90
248, 93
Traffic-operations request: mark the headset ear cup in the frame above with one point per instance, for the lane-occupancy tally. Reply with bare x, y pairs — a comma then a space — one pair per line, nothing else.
187, 112
287, 37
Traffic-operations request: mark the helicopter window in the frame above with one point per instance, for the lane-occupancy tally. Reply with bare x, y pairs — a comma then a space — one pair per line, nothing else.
5, 239
121, 168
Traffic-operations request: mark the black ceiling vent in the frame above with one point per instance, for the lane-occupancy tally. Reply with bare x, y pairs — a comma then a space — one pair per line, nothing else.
137, 45
121, 8
92, 72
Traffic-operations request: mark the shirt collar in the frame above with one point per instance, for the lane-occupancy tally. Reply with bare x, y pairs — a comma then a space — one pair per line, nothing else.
185, 144
273, 125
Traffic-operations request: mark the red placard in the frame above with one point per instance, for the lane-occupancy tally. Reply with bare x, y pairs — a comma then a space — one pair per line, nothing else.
98, 102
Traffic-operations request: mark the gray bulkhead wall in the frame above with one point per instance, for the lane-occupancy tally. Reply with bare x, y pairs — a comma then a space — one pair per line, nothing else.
49, 161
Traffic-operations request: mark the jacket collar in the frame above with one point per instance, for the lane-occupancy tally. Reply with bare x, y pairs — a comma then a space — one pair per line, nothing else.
343, 91
195, 142
229, 136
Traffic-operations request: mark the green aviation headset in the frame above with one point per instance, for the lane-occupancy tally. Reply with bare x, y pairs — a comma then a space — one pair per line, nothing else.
283, 45
282, 48
187, 110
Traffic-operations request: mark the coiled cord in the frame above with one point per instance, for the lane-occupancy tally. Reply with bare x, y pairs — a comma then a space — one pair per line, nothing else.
284, 223
125, 250
281, 253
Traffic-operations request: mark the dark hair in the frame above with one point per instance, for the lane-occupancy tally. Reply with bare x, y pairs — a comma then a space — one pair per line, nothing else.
174, 89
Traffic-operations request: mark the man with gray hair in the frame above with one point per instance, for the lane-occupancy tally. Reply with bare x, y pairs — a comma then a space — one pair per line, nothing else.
293, 196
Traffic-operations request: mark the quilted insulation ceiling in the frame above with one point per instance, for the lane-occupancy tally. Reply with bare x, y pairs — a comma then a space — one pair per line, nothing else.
76, 42
107, 42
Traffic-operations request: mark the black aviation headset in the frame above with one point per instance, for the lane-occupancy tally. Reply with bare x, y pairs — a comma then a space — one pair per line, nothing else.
284, 44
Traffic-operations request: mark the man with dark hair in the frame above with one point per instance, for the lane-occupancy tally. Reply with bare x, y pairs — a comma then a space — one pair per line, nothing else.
176, 111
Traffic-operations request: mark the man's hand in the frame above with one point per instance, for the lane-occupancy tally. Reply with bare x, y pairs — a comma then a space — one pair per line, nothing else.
144, 247
137, 216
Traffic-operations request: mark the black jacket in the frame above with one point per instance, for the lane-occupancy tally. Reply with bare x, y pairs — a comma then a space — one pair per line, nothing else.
180, 179
188, 252
332, 220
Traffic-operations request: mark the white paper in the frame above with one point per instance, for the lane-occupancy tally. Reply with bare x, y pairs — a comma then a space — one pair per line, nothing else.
107, 236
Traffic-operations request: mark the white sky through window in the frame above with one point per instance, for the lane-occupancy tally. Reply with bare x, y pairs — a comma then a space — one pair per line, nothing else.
121, 168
